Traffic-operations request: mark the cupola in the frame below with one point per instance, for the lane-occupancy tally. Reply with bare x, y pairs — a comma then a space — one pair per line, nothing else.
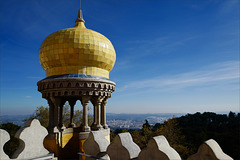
77, 51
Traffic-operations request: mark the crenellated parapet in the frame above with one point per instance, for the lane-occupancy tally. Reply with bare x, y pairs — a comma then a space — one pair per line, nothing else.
97, 146
4, 138
210, 150
123, 148
158, 148
31, 138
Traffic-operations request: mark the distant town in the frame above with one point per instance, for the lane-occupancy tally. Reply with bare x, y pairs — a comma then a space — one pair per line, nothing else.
114, 121
135, 121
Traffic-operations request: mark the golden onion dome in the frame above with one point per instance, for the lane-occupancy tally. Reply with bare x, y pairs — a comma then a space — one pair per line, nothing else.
77, 51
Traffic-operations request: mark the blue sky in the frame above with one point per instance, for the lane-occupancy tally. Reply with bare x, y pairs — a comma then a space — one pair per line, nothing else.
173, 56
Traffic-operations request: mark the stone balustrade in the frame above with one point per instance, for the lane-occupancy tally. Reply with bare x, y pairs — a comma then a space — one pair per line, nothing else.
31, 138
158, 148
96, 144
123, 148
4, 138
210, 150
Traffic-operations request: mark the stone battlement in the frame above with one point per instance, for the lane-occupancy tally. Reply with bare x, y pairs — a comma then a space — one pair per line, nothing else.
97, 146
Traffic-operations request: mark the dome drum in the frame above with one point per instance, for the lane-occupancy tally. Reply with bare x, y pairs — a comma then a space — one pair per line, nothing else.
75, 87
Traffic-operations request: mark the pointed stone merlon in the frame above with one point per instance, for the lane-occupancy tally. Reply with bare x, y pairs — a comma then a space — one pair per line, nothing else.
210, 150
96, 144
4, 137
31, 138
123, 147
158, 148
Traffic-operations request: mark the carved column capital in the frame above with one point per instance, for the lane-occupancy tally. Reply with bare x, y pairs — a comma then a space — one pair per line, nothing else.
58, 101
85, 100
97, 100
72, 101
104, 101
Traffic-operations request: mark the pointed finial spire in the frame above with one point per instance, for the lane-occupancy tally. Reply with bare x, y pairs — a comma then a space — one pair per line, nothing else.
79, 17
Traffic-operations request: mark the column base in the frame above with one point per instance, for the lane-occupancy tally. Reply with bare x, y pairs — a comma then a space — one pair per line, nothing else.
85, 128
96, 127
71, 125
105, 126
61, 126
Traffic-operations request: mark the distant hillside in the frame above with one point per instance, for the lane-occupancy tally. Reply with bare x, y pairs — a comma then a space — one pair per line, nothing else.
140, 117
135, 121
113, 120
16, 119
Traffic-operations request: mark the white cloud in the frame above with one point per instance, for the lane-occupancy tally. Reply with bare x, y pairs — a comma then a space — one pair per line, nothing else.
159, 45
213, 74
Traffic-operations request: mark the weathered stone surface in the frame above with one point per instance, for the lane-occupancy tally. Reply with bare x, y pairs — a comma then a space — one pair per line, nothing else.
31, 138
71, 87
210, 150
158, 148
96, 144
4, 137
49, 156
123, 148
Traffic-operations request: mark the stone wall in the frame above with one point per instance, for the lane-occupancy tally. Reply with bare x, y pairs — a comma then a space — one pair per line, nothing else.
158, 148
31, 138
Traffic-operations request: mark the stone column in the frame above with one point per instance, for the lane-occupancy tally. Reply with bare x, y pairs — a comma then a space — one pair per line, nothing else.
59, 104
96, 101
103, 113
72, 103
55, 111
51, 116
84, 126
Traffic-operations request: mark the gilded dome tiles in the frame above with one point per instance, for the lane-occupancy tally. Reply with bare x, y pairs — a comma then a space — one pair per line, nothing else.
77, 50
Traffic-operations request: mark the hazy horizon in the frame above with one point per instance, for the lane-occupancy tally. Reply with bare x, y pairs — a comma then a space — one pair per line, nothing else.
183, 113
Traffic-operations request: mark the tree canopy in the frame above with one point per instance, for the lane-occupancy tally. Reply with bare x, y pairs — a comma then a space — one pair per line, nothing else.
42, 114
186, 133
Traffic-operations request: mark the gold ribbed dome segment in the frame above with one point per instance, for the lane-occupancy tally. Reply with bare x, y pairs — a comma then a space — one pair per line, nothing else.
77, 50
